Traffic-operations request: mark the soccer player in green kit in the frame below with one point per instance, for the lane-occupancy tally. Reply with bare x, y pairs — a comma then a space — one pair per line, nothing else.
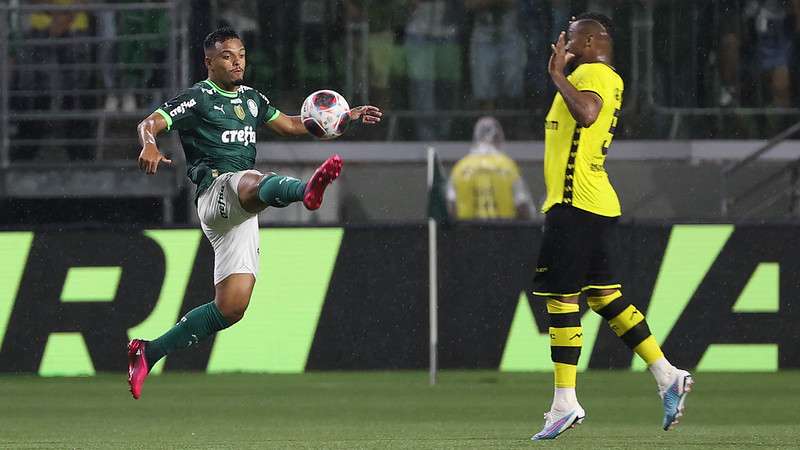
217, 120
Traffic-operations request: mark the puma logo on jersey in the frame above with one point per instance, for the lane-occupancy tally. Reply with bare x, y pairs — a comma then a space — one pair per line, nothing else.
220, 109
246, 136
180, 109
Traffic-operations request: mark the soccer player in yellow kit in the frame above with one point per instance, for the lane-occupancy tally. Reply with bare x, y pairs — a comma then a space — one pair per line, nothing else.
582, 211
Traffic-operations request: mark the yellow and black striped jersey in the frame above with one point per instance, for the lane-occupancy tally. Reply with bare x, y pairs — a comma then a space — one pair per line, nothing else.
574, 157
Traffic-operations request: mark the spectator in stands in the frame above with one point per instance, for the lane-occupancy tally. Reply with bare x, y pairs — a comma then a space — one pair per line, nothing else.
274, 60
535, 16
319, 28
541, 21
773, 31
486, 184
381, 18
729, 52
497, 53
243, 16
106, 24
61, 72
764, 29
73, 57
150, 49
35, 25
434, 63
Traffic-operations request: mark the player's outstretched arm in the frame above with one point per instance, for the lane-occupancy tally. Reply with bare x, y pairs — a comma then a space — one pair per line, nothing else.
287, 125
293, 125
151, 156
584, 106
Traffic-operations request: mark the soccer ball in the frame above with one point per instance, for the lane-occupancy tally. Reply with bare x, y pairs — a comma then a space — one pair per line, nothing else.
325, 114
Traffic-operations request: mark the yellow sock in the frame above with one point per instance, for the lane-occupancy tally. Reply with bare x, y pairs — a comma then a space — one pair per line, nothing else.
649, 350
628, 323
566, 339
565, 375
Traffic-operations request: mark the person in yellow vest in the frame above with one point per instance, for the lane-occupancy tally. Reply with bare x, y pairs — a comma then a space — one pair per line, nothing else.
486, 184
59, 23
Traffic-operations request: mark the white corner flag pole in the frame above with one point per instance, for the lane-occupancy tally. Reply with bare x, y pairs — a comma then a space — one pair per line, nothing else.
433, 282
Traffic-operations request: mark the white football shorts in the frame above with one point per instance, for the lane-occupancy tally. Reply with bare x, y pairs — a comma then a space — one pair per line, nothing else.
233, 232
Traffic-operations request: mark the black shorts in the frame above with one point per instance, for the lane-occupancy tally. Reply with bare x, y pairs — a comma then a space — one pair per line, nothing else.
576, 253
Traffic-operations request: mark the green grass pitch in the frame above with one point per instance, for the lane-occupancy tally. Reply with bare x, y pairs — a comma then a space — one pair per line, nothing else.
389, 410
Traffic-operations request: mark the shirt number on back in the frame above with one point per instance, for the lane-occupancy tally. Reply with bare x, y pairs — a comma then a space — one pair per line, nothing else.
611, 130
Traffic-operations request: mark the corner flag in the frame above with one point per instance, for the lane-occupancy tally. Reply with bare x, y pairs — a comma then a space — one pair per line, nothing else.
437, 215
437, 189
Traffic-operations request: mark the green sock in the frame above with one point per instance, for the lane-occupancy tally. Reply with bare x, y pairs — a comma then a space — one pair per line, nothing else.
279, 191
195, 326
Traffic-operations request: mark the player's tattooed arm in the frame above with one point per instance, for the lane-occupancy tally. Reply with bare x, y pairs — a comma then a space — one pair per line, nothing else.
151, 156
584, 106
287, 125
368, 114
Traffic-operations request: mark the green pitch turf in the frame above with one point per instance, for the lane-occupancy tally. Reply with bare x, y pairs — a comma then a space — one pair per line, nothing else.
389, 410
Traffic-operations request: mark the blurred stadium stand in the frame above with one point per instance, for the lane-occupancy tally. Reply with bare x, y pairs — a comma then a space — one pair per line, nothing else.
61, 65
75, 78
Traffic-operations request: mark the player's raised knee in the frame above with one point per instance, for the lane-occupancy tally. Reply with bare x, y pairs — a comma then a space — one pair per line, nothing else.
232, 311
248, 191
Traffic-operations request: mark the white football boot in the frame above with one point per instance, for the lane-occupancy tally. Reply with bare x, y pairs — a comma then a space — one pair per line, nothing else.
556, 422
674, 398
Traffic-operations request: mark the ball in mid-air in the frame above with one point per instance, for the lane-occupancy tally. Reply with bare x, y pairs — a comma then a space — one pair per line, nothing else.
325, 114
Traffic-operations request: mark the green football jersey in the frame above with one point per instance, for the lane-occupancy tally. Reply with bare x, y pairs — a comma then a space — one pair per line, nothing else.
217, 129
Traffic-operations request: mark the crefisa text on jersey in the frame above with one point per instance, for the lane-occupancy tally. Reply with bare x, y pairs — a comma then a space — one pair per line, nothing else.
246, 136
180, 109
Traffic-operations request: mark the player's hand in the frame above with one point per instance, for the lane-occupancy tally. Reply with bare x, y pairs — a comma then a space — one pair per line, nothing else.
150, 158
560, 56
369, 115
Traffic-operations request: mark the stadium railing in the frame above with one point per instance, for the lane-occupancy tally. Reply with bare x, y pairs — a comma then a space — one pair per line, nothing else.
356, 59
670, 57
662, 80
682, 80
48, 123
46, 115
789, 172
